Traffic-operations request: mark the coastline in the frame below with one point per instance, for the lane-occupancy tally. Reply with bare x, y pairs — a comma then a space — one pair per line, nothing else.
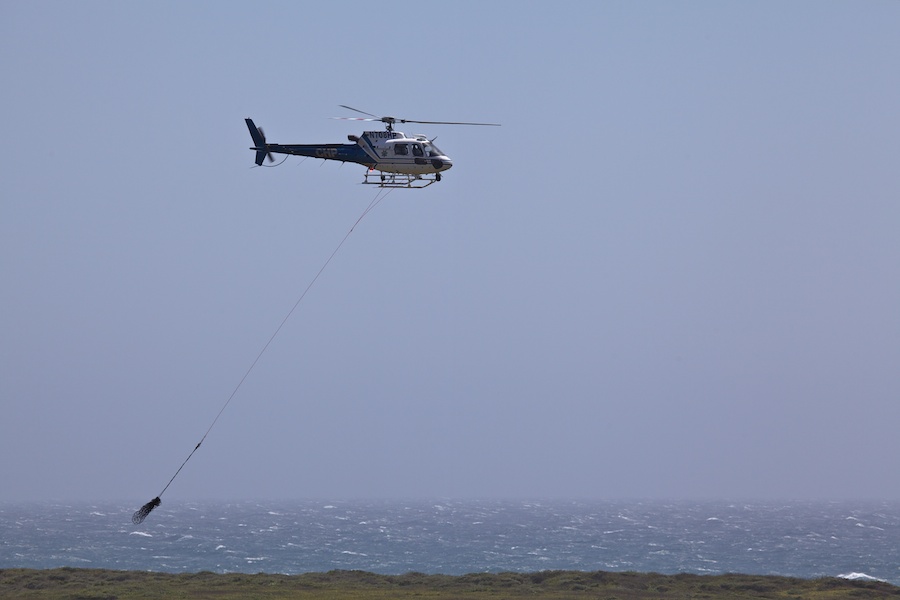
105, 584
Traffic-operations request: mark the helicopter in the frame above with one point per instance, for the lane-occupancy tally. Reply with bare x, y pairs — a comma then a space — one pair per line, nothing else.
392, 158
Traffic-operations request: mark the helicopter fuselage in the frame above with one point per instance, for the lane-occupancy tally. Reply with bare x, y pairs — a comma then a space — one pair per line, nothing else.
385, 151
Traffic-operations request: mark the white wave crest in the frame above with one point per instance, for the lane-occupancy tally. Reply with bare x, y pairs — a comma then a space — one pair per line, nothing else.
859, 576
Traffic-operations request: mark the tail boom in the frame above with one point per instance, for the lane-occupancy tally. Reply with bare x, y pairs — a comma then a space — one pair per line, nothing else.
343, 152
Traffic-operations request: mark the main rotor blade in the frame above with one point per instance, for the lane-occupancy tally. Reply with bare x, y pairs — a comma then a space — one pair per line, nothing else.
391, 120
354, 119
377, 118
446, 123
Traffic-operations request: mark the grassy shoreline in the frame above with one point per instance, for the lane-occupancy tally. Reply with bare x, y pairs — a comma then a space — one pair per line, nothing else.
102, 584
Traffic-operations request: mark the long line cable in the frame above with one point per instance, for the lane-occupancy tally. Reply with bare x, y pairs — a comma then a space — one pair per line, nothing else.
141, 514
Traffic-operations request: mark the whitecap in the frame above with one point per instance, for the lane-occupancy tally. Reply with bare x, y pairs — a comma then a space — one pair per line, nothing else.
79, 559
143, 533
860, 577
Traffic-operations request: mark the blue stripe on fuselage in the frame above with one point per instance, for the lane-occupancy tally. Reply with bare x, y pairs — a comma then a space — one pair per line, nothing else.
342, 152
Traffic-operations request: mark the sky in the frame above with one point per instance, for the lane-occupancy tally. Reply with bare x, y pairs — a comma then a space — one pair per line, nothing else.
672, 273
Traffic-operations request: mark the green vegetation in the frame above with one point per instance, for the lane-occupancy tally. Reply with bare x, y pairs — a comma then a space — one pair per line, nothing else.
98, 584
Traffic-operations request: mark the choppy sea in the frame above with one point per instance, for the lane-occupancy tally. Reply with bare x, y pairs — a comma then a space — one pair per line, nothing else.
801, 539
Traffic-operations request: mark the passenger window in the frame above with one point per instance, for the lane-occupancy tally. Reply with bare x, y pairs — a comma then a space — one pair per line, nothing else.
417, 150
401, 149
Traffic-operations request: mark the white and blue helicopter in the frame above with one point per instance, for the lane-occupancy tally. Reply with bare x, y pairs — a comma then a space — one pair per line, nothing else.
392, 158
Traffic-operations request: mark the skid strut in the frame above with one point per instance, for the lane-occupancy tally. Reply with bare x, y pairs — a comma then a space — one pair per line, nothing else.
399, 180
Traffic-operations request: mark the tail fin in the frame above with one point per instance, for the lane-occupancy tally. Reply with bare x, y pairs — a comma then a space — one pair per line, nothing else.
259, 143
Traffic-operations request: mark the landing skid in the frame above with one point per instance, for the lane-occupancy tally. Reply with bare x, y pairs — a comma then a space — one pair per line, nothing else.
400, 180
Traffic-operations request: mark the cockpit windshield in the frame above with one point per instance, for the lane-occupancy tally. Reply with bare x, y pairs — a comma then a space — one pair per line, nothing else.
432, 150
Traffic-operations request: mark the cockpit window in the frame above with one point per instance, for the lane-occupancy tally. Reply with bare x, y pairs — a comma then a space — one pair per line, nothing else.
401, 149
432, 150
417, 150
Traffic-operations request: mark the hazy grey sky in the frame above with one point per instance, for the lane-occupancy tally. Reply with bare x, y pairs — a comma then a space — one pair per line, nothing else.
671, 273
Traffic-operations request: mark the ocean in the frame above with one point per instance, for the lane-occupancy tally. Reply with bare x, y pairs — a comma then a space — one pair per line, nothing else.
800, 539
